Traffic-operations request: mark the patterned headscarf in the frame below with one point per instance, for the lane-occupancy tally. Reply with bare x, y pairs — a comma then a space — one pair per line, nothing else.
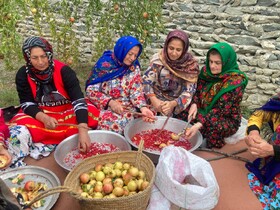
229, 79
110, 65
41, 78
185, 67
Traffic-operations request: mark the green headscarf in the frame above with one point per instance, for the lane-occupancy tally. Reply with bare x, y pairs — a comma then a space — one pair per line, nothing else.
229, 79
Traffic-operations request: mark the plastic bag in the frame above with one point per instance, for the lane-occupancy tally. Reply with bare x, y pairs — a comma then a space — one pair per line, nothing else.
184, 179
240, 134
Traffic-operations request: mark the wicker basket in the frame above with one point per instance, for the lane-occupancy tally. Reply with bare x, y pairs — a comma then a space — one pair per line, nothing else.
137, 201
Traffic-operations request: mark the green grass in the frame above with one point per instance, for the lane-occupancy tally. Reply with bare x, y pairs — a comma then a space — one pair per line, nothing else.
8, 93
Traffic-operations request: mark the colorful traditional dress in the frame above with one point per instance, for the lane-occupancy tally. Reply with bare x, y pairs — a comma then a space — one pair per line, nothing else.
112, 79
56, 92
218, 98
172, 80
264, 176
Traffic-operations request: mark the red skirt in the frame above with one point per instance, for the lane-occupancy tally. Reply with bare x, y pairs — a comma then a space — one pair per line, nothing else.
40, 134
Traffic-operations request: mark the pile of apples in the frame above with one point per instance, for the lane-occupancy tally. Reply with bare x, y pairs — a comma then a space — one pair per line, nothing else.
112, 180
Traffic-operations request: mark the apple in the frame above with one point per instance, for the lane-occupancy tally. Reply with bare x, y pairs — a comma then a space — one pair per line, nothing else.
144, 185
72, 19
126, 166
133, 171
98, 188
118, 182
3, 161
100, 176
34, 11
29, 185
108, 188
145, 15
141, 175
118, 165
118, 172
126, 178
118, 191
98, 195
98, 167
125, 191
174, 136
107, 169
84, 177
132, 186
107, 180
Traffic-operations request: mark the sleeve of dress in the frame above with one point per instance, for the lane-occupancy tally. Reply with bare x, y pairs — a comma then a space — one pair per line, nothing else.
97, 97
226, 110
136, 90
27, 102
150, 78
255, 121
73, 89
185, 98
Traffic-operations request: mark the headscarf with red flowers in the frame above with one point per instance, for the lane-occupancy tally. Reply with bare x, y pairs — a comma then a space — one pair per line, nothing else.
218, 84
111, 65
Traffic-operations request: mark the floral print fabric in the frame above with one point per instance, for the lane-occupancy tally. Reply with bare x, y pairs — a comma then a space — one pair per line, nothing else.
127, 90
222, 120
166, 86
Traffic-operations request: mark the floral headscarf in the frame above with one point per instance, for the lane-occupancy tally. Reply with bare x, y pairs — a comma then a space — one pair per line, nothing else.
41, 78
229, 79
185, 67
110, 65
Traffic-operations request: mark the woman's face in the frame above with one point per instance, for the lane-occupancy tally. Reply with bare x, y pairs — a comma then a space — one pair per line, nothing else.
39, 59
131, 56
215, 63
175, 49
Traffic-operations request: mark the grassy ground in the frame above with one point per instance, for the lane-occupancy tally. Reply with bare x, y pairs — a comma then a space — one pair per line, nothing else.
8, 93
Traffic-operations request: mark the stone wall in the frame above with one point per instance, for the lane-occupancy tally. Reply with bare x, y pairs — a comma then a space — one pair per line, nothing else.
252, 27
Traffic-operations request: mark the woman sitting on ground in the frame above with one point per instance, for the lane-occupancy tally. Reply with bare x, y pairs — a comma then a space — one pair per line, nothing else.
52, 103
170, 80
115, 86
218, 96
264, 178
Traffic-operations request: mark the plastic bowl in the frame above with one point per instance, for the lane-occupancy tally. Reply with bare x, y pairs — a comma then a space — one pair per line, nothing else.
174, 125
100, 136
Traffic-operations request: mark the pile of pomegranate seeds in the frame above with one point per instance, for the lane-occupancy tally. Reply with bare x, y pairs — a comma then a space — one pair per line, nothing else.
155, 139
75, 156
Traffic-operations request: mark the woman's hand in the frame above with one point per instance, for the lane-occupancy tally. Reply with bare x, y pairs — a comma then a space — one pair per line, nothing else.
49, 122
5, 152
156, 103
192, 111
148, 115
259, 147
116, 106
168, 107
84, 139
193, 130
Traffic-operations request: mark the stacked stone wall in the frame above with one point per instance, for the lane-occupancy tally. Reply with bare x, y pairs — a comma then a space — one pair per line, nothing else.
252, 27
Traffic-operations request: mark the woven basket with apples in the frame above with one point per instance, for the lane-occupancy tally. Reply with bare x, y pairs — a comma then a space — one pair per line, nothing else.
119, 181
